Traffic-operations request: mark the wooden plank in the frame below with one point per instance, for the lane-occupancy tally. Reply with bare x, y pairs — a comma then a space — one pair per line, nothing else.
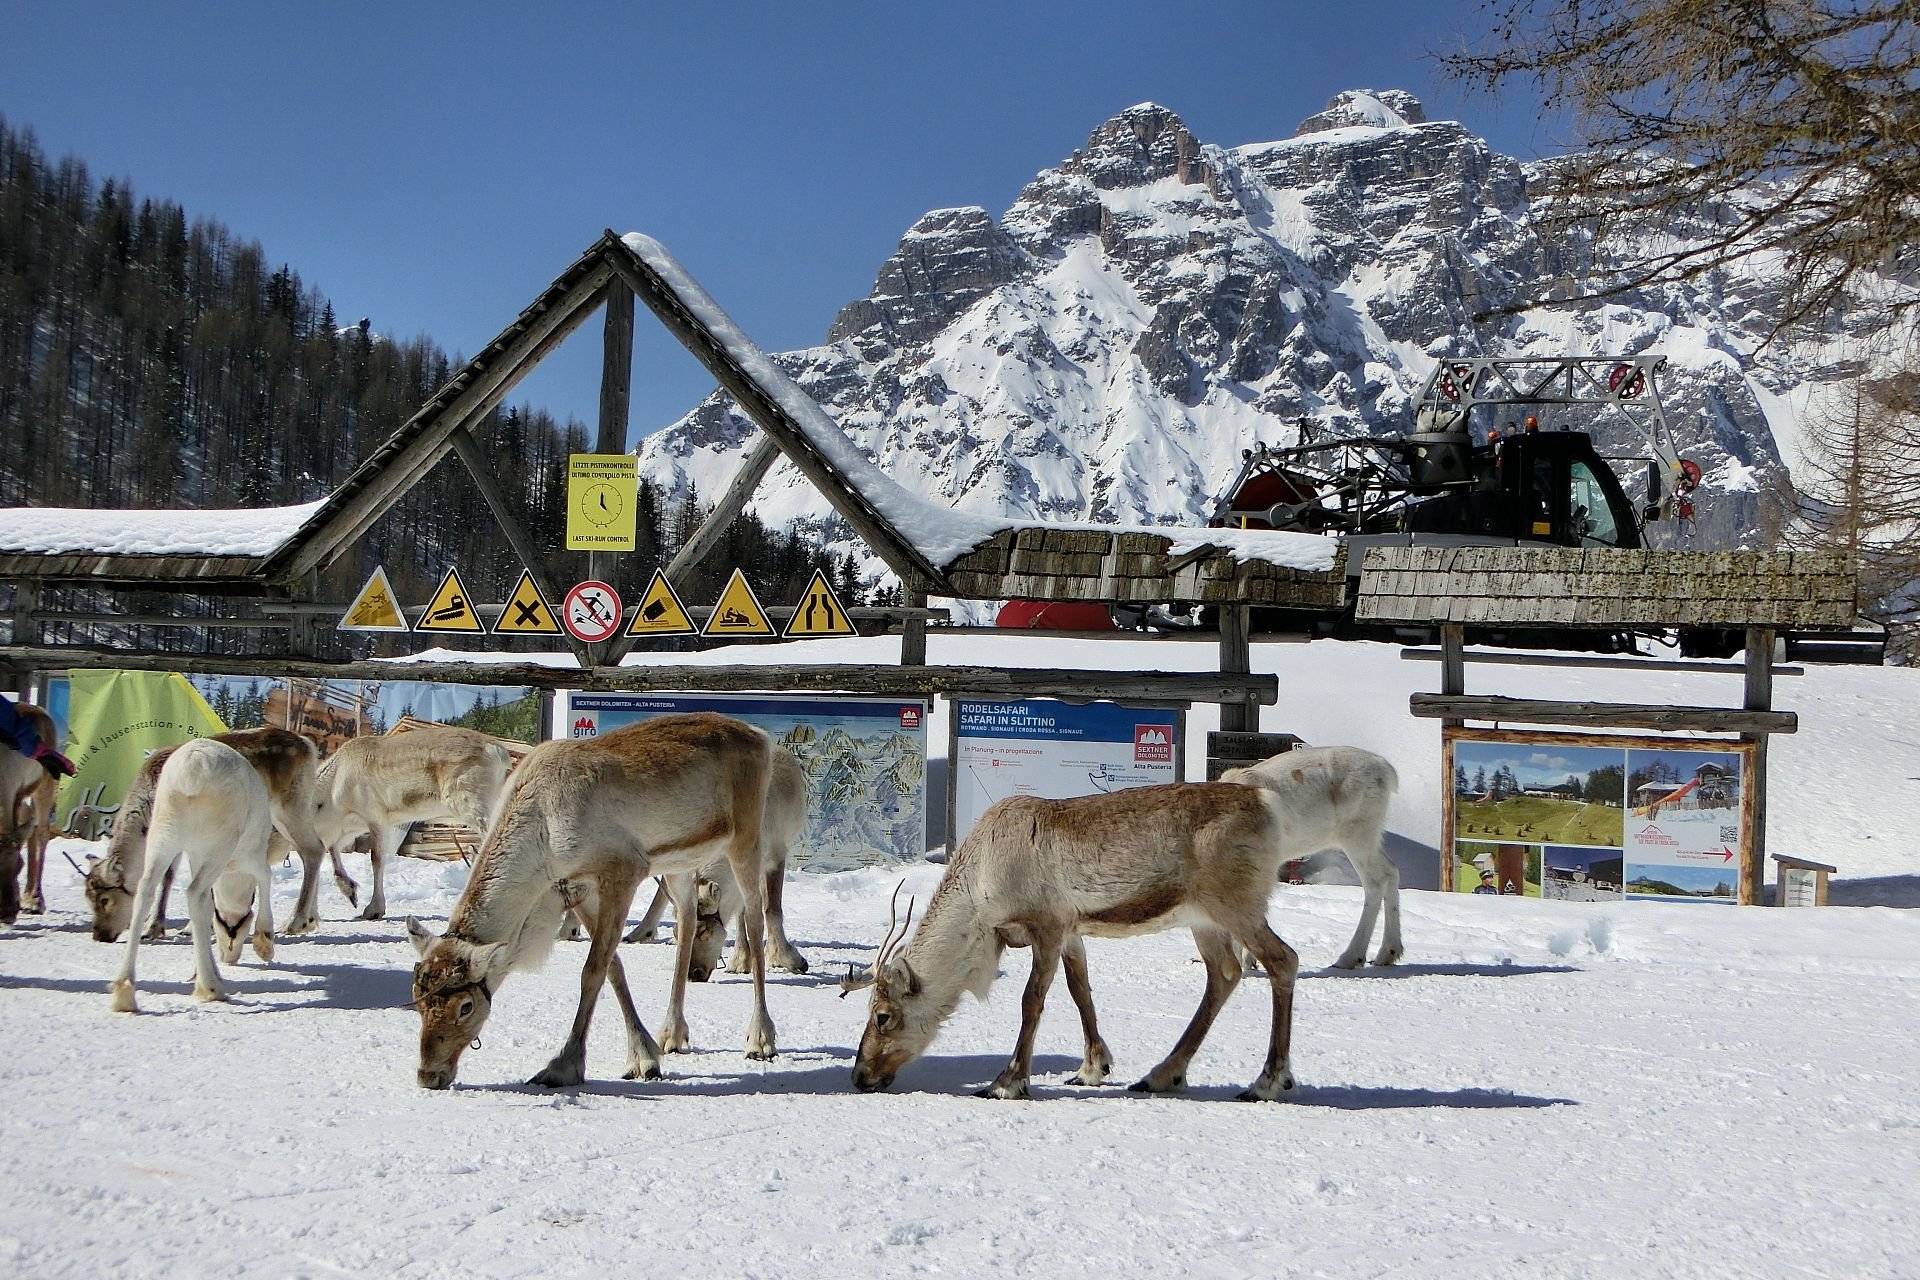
1435, 706
616, 367
1021, 682
1523, 659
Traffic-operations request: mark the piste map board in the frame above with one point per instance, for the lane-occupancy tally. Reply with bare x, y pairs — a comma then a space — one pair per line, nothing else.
1042, 747
865, 761
1596, 818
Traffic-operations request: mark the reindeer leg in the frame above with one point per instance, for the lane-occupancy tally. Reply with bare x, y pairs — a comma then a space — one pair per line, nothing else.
306, 908
263, 912
1283, 967
156, 924
1223, 974
746, 862
685, 890
643, 932
34, 901
342, 881
569, 1066
385, 841
1012, 1080
206, 975
643, 1051
120, 993
1097, 1064
781, 953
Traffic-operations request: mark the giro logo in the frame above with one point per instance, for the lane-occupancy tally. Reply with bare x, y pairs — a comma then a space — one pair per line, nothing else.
586, 727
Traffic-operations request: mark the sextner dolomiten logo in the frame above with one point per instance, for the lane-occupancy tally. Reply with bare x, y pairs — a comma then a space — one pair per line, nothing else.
1152, 744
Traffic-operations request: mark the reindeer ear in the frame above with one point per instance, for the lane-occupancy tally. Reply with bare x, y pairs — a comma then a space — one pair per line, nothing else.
902, 978
419, 935
93, 860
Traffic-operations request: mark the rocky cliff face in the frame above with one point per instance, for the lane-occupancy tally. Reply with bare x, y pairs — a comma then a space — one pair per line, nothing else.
1156, 304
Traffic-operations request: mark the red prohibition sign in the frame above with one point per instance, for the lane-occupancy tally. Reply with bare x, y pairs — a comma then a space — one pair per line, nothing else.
591, 612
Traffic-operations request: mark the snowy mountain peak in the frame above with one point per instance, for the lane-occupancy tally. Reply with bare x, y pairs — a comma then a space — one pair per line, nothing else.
1366, 108
1155, 304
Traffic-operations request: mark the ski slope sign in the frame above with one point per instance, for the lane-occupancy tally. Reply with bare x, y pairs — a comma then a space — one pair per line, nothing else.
375, 608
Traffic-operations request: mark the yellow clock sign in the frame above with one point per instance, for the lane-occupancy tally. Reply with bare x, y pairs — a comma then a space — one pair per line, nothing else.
600, 501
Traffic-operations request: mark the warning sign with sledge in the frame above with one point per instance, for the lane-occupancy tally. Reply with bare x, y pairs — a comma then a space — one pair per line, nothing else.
527, 612
819, 612
451, 609
376, 608
738, 612
660, 612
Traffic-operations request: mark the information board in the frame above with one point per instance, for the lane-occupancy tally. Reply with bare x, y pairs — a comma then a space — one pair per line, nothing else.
1587, 818
1044, 747
865, 761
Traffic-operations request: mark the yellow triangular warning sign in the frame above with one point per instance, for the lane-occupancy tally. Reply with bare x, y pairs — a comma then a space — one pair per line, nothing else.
819, 612
527, 612
660, 612
451, 609
375, 608
738, 612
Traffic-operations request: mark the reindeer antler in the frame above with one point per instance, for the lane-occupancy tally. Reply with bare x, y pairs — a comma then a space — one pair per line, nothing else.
855, 980
77, 868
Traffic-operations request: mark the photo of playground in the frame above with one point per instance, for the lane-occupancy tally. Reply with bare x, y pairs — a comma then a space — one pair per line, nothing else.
1691, 785
1537, 792
1507, 870
1576, 874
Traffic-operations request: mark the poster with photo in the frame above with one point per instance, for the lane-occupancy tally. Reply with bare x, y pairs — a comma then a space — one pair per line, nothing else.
865, 761
1594, 818
1044, 747
1684, 832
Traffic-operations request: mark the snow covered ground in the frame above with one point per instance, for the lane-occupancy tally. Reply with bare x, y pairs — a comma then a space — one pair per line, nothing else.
1541, 1089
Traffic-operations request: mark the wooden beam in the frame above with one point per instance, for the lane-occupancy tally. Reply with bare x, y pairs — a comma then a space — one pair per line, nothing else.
1012, 682
1618, 715
1591, 660
616, 368
397, 474
1236, 658
915, 571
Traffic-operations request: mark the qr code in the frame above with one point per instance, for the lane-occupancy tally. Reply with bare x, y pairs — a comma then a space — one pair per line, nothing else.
1729, 833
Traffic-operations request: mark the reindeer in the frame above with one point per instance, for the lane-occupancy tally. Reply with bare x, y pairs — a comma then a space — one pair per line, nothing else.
1379, 877
382, 785
287, 763
210, 806
1041, 873
24, 820
584, 822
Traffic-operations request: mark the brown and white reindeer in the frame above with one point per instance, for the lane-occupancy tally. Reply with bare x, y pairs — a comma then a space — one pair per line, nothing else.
287, 763
583, 824
24, 821
382, 785
210, 807
1041, 873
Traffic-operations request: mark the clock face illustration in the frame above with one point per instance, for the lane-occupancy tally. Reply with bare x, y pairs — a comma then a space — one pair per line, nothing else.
600, 503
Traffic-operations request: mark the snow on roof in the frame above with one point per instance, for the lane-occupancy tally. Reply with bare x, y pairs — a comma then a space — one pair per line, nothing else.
89, 531
940, 534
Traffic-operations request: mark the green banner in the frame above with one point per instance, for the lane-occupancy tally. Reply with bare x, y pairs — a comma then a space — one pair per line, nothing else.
115, 720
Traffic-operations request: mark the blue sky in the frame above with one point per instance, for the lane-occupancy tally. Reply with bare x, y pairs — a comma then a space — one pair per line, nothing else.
433, 166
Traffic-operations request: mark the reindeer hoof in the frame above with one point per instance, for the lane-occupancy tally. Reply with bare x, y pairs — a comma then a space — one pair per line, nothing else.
373, 913
761, 1053
1011, 1091
263, 947
1390, 957
798, 964
208, 995
120, 997
639, 933
1147, 1084
33, 905
559, 1076
348, 890
649, 1072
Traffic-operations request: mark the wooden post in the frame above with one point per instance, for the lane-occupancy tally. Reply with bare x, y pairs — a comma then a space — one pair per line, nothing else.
913, 633
1453, 666
616, 381
1759, 697
1236, 658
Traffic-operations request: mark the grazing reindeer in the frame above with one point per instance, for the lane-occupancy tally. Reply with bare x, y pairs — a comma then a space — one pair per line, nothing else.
22, 820
382, 785
286, 762
1379, 877
1040, 873
210, 806
585, 821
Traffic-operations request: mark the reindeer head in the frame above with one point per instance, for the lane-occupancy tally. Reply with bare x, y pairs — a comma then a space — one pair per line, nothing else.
901, 1020
453, 989
709, 933
109, 895
230, 935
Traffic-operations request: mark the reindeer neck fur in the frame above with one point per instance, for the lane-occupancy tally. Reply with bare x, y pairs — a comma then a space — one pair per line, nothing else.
512, 896
955, 949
